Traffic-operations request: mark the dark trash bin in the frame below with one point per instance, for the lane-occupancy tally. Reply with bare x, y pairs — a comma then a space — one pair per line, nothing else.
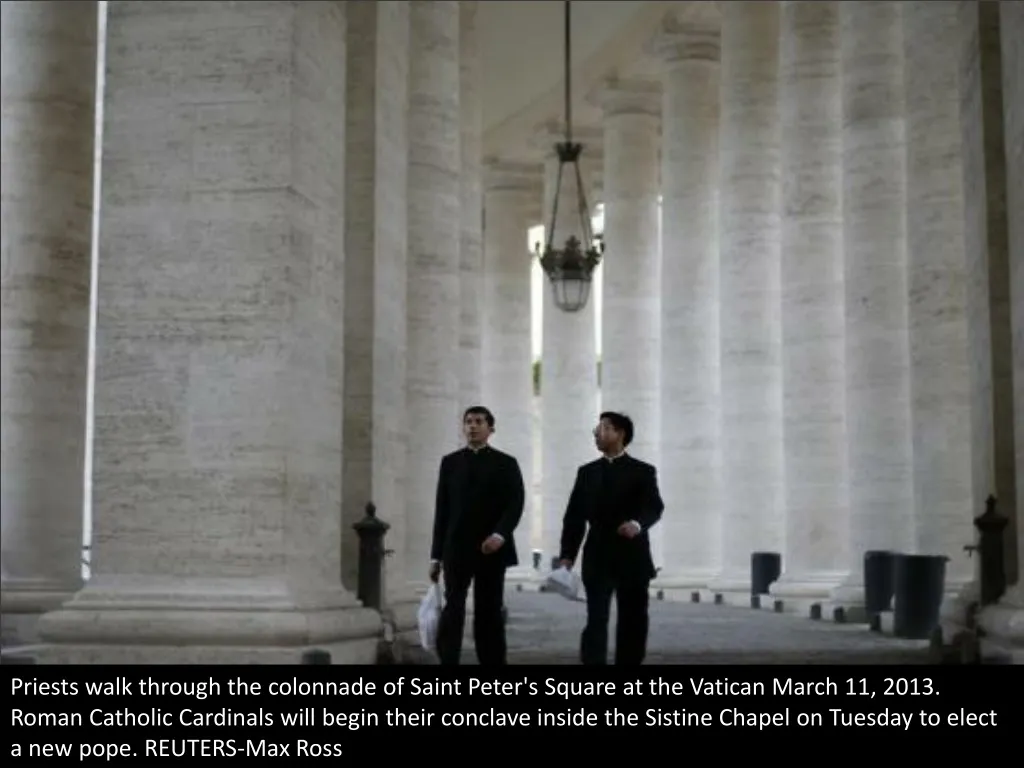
765, 568
919, 583
878, 580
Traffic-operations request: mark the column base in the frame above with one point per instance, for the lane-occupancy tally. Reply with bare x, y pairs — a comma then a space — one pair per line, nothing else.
22, 603
799, 592
731, 588
684, 585
143, 620
1003, 625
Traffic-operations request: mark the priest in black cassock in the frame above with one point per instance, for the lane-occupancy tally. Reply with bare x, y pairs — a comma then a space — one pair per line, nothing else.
480, 498
617, 496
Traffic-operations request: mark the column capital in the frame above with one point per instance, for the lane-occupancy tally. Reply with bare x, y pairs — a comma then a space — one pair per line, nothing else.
686, 40
627, 97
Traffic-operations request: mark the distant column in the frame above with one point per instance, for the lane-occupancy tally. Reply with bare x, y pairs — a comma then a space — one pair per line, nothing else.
512, 197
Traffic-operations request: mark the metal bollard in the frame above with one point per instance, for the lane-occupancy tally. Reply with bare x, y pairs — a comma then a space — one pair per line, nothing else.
990, 525
371, 532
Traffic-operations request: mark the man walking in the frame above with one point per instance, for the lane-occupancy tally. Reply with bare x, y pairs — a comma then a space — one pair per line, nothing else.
618, 497
480, 498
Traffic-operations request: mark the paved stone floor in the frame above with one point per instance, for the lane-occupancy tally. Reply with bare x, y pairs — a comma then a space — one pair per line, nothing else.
545, 629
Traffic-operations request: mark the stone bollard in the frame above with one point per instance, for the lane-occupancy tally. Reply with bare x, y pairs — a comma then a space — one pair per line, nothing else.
371, 532
990, 525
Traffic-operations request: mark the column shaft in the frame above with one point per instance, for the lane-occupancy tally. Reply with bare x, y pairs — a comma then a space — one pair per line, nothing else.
631, 315
471, 196
749, 309
434, 275
689, 372
1004, 623
568, 390
814, 449
217, 467
49, 90
375, 424
512, 195
879, 457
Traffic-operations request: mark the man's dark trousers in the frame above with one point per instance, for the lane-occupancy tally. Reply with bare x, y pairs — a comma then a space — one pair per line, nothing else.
631, 602
486, 573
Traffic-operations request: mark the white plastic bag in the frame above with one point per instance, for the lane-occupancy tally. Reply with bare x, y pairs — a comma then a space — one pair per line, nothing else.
428, 617
563, 582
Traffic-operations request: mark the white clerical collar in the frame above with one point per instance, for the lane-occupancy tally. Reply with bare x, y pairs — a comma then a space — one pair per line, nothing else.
476, 449
618, 455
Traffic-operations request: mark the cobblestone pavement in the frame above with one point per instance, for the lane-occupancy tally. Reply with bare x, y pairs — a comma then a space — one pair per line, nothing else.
545, 629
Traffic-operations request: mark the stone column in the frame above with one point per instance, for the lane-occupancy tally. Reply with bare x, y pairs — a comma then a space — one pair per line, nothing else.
511, 198
217, 470
689, 375
569, 395
376, 168
814, 447
947, 392
749, 309
1004, 623
49, 91
879, 458
434, 275
471, 237
631, 314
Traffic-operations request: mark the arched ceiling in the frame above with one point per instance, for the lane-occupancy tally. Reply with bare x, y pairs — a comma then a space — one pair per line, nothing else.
522, 60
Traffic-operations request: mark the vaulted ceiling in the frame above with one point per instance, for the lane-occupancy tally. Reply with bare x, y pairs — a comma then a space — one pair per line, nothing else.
522, 60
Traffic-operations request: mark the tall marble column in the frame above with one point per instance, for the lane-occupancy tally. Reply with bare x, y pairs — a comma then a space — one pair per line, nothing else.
471, 235
942, 310
49, 88
512, 195
879, 457
814, 430
749, 309
690, 451
218, 454
569, 395
1004, 622
376, 168
631, 314
434, 223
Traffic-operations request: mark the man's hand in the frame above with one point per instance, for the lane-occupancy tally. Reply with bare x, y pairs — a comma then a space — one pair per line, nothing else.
435, 572
629, 529
492, 543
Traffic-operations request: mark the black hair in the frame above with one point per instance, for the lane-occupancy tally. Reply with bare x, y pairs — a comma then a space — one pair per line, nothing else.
621, 423
481, 410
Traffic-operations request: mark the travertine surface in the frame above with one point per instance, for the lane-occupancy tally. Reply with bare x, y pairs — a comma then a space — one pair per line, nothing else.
749, 311
471, 235
49, 80
877, 359
946, 494
376, 428
631, 315
569, 366
434, 273
689, 403
512, 195
814, 430
219, 342
1005, 622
